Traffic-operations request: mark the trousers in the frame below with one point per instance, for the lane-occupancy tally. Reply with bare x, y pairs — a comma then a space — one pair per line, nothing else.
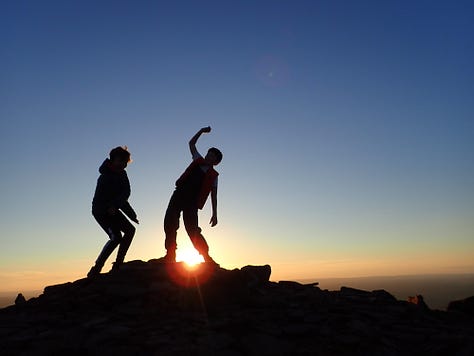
180, 203
114, 225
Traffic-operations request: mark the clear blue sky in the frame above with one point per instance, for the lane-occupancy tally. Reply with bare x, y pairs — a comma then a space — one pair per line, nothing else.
347, 129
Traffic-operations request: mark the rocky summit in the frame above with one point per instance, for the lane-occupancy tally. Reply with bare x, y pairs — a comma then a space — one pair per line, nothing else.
153, 308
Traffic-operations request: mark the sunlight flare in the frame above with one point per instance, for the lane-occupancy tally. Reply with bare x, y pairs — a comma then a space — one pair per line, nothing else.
189, 256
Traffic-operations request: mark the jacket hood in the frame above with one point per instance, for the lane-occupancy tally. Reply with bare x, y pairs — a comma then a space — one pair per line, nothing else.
105, 167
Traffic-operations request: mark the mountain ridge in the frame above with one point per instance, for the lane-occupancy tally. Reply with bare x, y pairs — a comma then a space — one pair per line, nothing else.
153, 308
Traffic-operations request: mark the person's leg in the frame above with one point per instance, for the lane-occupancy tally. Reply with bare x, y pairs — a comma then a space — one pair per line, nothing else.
171, 226
190, 217
115, 236
121, 223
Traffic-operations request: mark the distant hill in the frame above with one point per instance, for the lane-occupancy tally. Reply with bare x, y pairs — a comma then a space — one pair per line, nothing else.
153, 308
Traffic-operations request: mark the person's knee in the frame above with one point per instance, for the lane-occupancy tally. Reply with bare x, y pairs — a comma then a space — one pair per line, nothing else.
193, 232
130, 232
108, 248
114, 235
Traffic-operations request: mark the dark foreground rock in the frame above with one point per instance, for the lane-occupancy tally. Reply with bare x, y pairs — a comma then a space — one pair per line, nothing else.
465, 306
150, 308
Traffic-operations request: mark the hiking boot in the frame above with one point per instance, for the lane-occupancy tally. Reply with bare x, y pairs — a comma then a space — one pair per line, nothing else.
208, 260
94, 272
115, 267
166, 259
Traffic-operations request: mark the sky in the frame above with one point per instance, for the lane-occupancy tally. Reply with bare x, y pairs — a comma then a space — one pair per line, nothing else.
347, 129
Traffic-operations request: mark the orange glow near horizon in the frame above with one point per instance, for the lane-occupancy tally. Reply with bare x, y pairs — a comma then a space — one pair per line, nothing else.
189, 256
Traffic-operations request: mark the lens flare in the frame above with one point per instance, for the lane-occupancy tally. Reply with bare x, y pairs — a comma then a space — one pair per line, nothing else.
190, 257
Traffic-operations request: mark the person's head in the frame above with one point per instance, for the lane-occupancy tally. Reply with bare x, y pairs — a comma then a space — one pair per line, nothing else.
213, 156
120, 157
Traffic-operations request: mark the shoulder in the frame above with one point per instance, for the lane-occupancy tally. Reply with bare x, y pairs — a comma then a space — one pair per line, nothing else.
196, 155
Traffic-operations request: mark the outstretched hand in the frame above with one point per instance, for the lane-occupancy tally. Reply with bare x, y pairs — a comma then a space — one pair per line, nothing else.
213, 221
206, 129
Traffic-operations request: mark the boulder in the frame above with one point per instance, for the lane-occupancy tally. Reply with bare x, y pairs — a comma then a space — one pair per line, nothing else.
465, 306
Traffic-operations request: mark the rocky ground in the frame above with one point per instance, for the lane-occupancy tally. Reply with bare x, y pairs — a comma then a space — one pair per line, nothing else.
151, 308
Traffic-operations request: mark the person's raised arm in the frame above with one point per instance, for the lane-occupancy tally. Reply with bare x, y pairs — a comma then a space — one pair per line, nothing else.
192, 142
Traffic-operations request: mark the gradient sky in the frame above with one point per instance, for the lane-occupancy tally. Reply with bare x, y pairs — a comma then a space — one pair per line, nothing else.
347, 129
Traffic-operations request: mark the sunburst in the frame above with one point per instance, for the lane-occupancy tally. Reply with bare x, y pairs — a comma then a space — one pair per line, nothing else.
189, 256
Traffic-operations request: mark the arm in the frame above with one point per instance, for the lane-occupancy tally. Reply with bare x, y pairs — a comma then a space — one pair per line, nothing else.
213, 221
192, 142
128, 210
121, 199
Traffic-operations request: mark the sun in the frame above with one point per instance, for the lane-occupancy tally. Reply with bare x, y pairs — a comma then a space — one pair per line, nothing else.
189, 256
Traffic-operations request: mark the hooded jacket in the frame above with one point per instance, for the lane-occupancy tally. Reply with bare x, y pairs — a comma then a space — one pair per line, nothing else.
112, 191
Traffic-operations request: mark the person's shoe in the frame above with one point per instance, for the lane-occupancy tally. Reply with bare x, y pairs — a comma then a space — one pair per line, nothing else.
115, 267
208, 260
94, 272
168, 258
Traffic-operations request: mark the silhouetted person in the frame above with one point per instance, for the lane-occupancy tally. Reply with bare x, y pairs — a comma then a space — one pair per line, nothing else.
192, 190
110, 200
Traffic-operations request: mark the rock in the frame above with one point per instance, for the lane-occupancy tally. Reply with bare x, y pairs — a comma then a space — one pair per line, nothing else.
352, 292
292, 284
419, 301
465, 306
150, 308
20, 300
383, 296
257, 275
263, 344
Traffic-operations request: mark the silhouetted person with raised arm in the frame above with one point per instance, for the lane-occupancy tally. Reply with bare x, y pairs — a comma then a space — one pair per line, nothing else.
192, 190
110, 200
